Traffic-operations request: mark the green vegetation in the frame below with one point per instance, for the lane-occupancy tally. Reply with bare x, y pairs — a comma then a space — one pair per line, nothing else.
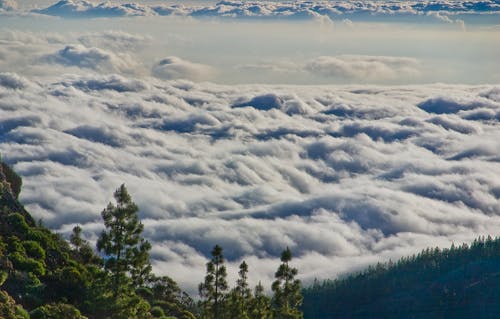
43, 276
240, 296
126, 257
287, 296
213, 290
9, 309
457, 282
219, 303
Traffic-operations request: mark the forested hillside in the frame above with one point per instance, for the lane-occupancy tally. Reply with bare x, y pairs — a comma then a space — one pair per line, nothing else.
44, 276
457, 282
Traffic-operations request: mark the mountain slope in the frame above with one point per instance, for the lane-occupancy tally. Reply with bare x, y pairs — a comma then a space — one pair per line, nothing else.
459, 282
35, 263
43, 276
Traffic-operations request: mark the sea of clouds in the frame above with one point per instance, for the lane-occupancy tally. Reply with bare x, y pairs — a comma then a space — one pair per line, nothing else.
344, 175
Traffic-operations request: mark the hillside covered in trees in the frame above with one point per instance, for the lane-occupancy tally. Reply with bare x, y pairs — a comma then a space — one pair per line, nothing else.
456, 282
43, 276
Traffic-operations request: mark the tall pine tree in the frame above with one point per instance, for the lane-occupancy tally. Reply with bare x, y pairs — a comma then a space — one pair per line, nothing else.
213, 289
126, 252
241, 295
287, 296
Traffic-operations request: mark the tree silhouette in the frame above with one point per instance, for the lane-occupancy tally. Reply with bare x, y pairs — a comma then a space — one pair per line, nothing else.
241, 295
213, 289
287, 296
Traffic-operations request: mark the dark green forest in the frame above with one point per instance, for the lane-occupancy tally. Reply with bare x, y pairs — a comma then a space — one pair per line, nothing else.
44, 276
457, 282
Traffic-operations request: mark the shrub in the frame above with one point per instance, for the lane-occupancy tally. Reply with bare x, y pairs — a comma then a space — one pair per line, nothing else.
56, 311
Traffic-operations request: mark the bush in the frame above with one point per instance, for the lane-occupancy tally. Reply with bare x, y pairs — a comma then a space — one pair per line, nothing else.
27, 264
157, 312
34, 250
56, 311
9, 309
18, 223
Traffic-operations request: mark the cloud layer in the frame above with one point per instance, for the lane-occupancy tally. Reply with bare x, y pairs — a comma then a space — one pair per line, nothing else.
90, 58
364, 68
362, 10
172, 68
343, 175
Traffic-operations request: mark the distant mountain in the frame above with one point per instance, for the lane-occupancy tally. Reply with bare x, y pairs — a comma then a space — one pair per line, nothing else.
457, 282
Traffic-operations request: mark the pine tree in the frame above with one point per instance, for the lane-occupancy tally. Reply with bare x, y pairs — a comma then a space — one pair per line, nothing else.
287, 296
76, 237
213, 289
240, 295
126, 252
260, 304
81, 248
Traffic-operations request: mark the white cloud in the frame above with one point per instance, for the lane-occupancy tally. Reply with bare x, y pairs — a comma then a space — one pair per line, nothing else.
82, 8
271, 66
364, 68
492, 94
449, 105
115, 40
347, 23
345, 68
91, 58
444, 18
12, 81
172, 67
32, 53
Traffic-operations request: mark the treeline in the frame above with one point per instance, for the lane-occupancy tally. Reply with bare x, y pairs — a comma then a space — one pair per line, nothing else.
217, 301
456, 282
43, 276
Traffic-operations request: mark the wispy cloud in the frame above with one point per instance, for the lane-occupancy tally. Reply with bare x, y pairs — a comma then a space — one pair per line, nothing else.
364, 68
91, 58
